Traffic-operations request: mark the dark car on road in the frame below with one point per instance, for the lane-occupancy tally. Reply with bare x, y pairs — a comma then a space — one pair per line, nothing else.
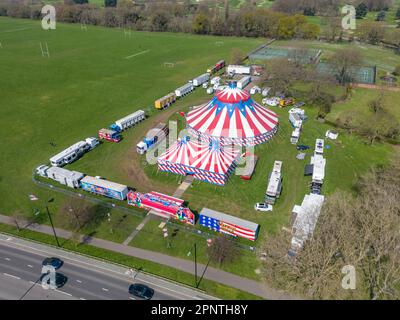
54, 262
61, 279
141, 291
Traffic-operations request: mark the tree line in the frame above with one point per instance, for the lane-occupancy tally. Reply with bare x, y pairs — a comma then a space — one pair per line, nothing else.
174, 16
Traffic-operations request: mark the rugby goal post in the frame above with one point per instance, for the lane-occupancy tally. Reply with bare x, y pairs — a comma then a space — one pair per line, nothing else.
169, 64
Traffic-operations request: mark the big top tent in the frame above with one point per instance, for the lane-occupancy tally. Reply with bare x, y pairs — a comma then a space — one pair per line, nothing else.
232, 117
207, 162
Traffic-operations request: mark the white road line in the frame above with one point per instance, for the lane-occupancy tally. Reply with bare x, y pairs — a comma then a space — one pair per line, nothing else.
137, 54
10, 275
68, 294
132, 298
79, 281
82, 299
30, 266
8, 259
104, 289
31, 282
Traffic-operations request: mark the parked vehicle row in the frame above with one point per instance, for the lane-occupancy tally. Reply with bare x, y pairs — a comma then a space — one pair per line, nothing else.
73, 152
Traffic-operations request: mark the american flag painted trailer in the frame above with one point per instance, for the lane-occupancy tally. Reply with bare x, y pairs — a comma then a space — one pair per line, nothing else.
224, 223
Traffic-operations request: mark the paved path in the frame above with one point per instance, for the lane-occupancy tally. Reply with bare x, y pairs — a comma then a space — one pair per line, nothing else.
183, 187
136, 231
376, 87
223, 277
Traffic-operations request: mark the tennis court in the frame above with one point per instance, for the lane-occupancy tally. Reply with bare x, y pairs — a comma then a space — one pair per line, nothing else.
359, 75
268, 52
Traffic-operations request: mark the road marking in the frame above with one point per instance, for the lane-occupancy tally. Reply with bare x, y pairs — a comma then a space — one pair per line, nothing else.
68, 294
31, 282
132, 298
10, 275
8, 259
79, 281
137, 54
82, 299
104, 289
30, 266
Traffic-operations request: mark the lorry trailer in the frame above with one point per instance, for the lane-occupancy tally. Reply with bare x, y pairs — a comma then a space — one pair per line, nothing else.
65, 177
242, 83
110, 135
238, 69
165, 101
274, 184
201, 79
70, 154
184, 90
104, 187
128, 121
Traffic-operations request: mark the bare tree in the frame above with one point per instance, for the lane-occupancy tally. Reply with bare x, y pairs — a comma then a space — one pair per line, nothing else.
344, 61
222, 250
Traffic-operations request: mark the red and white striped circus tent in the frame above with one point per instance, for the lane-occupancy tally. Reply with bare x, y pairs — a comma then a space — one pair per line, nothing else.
207, 162
233, 118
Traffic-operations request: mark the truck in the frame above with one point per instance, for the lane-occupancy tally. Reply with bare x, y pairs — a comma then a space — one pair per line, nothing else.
92, 142
70, 154
104, 187
165, 101
294, 138
286, 102
215, 80
220, 64
319, 146
184, 90
154, 136
65, 177
242, 83
110, 135
239, 69
128, 121
274, 188
201, 79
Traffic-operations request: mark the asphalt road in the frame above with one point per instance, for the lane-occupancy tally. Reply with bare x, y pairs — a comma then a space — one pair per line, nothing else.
20, 269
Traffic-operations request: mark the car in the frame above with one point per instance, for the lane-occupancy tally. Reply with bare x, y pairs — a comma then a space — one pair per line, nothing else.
54, 262
61, 279
263, 207
141, 291
302, 147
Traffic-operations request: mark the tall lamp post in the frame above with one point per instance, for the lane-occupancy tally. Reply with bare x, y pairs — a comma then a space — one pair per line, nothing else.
52, 225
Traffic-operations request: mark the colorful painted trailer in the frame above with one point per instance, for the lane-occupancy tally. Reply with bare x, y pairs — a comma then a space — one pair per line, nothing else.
109, 135
163, 204
220, 64
165, 101
104, 187
224, 223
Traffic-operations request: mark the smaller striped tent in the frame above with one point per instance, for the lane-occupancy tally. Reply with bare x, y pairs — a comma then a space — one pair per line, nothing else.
225, 223
206, 162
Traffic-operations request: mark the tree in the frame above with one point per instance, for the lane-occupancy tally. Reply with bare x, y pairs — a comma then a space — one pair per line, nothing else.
110, 3
201, 24
361, 11
381, 16
360, 231
372, 32
222, 250
159, 20
398, 14
76, 213
344, 61
237, 56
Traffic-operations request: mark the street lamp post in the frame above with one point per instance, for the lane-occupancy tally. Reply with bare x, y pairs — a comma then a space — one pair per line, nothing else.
52, 225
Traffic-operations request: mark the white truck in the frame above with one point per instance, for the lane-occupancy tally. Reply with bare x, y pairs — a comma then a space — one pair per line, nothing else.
319, 146
295, 137
154, 136
201, 79
215, 80
238, 69
295, 120
242, 83
184, 90
128, 121
92, 142
274, 187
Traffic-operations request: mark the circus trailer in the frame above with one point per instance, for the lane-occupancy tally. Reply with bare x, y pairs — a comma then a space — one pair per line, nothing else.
70, 154
201, 79
238, 69
184, 90
227, 224
242, 83
128, 121
65, 177
163, 205
220, 64
104, 187
250, 162
109, 135
274, 187
165, 101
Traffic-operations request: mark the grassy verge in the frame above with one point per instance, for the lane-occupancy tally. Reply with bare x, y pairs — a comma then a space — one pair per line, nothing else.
212, 288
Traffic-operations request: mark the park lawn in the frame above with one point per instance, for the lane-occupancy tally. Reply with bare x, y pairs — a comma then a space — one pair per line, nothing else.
383, 58
89, 81
181, 244
358, 105
210, 287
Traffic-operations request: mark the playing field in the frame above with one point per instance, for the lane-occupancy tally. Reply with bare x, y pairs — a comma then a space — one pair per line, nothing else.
92, 78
